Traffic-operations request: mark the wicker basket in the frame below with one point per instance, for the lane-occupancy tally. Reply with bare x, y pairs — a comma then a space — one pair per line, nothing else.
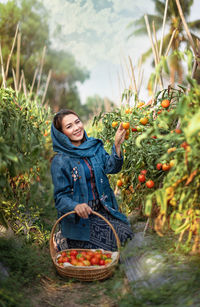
84, 273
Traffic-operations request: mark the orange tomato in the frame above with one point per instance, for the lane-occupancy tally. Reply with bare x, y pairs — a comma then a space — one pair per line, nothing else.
165, 103
119, 183
127, 111
144, 121
74, 262
127, 134
86, 263
165, 167
114, 124
150, 184
107, 261
140, 104
126, 125
172, 149
178, 131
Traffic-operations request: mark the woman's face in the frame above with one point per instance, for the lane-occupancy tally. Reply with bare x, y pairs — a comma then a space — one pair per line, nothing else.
73, 128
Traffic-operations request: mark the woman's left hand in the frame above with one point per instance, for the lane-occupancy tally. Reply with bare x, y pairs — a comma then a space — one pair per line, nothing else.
119, 138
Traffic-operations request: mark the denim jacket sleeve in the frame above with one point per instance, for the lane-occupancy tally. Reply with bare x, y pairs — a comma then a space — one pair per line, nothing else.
112, 163
62, 185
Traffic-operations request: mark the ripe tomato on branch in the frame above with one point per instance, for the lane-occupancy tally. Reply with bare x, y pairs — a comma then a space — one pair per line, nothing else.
150, 184
141, 178
126, 125
165, 103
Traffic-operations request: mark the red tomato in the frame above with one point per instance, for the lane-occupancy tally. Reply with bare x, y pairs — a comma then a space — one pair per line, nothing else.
73, 253
150, 184
159, 166
94, 260
88, 257
141, 178
64, 254
60, 259
143, 172
101, 262
134, 129
108, 255
98, 255
65, 259
84, 254
80, 257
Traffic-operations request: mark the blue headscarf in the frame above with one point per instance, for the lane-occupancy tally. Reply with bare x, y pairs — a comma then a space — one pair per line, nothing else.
62, 144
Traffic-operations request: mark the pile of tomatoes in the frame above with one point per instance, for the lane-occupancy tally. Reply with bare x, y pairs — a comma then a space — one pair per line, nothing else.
84, 258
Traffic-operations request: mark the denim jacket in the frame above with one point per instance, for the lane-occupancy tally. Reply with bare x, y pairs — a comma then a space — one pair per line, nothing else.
70, 187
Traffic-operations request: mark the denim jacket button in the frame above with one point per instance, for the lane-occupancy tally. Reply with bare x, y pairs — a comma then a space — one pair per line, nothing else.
78, 162
83, 225
79, 177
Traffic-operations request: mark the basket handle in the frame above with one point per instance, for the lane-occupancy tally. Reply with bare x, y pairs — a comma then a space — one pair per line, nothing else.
52, 249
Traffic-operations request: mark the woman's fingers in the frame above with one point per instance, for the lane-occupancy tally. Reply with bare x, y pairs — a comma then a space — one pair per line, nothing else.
120, 135
83, 210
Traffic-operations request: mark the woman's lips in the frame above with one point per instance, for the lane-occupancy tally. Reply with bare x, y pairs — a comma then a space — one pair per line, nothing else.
78, 133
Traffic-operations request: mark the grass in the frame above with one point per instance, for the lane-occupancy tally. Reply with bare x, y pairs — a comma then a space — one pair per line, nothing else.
33, 281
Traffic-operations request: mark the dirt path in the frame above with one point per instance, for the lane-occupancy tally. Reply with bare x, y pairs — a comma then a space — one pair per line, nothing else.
64, 292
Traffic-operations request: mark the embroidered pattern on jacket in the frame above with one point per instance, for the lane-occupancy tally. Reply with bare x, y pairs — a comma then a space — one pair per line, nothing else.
75, 173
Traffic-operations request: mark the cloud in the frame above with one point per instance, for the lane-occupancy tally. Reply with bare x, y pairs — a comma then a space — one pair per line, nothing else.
93, 30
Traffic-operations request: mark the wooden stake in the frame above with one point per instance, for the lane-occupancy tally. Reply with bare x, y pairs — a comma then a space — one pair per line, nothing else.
14, 79
170, 42
11, 52
151, 39
156, 42
163, 28
140, 84
133, 75
157, 55
46, 87
153, 49
2, 68
33, 82
20, 83
18, 58
127, 68
24, 84
119, 87
186, 27
41, 68
139, 73
123, 77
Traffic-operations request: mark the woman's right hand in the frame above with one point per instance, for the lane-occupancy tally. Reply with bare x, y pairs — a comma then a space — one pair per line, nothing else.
83, 210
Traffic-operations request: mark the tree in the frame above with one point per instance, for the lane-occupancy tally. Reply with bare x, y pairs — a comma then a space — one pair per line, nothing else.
173, 21
96, 104
33, 26
63, 91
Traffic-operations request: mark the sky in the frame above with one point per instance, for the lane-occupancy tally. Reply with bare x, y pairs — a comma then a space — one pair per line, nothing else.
95, 32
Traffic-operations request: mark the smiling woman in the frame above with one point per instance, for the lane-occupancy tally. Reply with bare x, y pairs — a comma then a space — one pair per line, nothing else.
80, 183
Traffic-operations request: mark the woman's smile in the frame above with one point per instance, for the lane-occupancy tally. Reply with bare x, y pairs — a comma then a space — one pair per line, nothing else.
73, 128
